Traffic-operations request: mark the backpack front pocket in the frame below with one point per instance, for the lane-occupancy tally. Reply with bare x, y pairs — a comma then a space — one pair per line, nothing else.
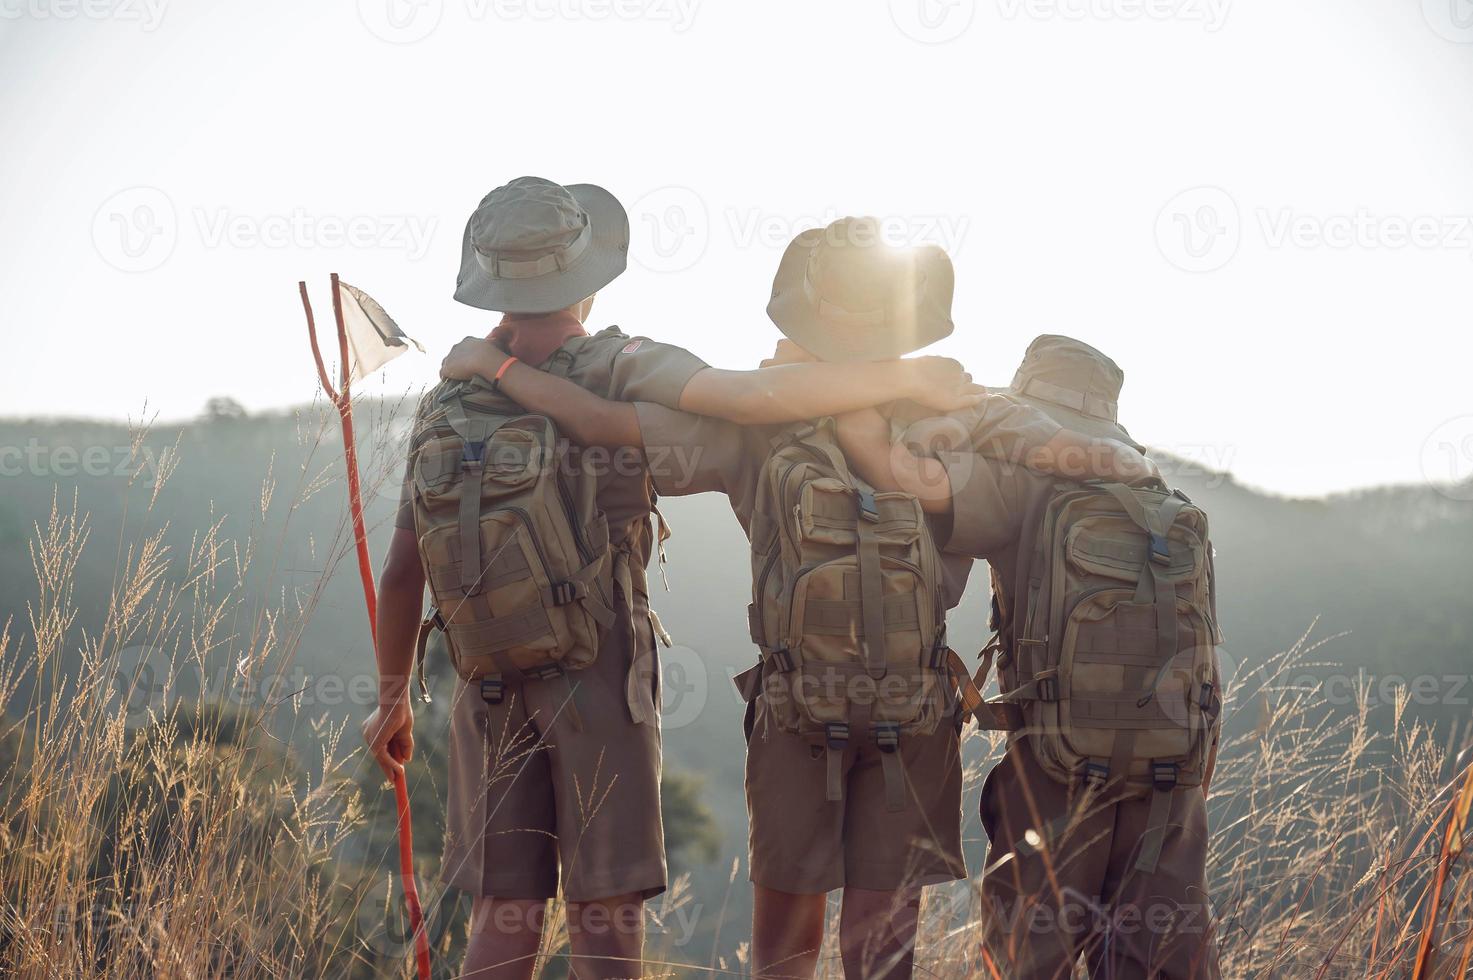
826, 632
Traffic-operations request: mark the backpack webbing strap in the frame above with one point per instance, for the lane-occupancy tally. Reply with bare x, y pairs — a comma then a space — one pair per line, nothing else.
637, 681
871, 586
887, 738
576, 589
1163, 782
431, 623
474, 433
835, 741
1162, 595
472, 462
992, 716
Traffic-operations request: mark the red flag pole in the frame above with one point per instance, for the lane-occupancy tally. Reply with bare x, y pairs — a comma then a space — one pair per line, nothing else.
342, 400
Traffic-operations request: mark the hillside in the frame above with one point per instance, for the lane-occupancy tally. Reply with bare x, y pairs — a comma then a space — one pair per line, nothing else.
1386, 567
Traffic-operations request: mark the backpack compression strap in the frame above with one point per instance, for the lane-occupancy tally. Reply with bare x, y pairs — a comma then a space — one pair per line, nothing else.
1151, 588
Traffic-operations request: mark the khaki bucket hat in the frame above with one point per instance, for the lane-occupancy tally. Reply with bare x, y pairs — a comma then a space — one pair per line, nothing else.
533, 246
1072, 383
843, 294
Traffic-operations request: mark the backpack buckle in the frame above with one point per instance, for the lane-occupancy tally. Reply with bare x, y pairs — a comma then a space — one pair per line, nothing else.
493, 690
564, 593
869, 509
1163, 776
782, 659
1048, 688
938, 652
471, 454
1208, 701
547, 672
1096, 773
887, 737
836, 735
1160, 550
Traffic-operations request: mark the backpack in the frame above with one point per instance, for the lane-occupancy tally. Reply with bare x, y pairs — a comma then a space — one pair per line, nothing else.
1107, 641
847, 608
515, 549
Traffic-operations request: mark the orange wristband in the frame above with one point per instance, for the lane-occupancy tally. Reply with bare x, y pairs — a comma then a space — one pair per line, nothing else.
496, 381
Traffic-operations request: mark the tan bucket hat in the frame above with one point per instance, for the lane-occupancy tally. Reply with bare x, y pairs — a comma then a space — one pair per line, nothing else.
533, 246
1072, 383
843, 294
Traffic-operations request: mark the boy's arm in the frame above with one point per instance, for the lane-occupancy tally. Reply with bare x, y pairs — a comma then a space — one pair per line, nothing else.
795, 392
865, 439
783, 393
582, 416
389, 731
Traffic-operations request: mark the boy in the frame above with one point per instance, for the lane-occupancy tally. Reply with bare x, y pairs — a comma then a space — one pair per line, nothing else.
541, 796
1062, 877
802, 845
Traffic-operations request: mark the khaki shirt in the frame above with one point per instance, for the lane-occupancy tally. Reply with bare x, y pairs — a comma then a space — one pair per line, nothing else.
621, 368
694, 454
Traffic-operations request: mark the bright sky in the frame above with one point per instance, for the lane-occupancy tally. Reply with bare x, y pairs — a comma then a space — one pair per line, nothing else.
1262, 209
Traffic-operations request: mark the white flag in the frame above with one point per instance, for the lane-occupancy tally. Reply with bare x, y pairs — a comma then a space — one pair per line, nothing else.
374, 339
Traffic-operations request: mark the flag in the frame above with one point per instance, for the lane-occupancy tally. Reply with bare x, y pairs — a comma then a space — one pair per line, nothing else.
374, 339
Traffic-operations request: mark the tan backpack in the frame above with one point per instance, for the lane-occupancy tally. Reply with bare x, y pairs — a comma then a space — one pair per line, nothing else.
1107, 640
846, 607
515, 549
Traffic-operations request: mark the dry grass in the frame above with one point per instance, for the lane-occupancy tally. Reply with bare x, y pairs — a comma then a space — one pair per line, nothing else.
180, 840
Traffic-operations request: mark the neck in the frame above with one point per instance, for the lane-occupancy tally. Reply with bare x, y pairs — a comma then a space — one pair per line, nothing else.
533, 339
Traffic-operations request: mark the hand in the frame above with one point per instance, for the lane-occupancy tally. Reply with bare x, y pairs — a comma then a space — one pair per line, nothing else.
472, 356
787, 352
1127, 464
389, 732
1079, 457
940, 384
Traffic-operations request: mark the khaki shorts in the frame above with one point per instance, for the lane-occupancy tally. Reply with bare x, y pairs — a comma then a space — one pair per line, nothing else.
534, 800
1087, 898
804, 844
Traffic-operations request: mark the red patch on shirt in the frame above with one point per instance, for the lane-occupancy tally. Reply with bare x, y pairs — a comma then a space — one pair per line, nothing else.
632, 346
